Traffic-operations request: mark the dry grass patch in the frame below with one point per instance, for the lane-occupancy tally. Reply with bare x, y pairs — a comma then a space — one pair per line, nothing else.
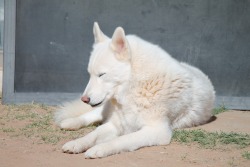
35, 121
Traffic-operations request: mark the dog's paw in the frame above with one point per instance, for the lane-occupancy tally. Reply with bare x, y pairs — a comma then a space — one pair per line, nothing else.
71, 124
73, 147
99, 151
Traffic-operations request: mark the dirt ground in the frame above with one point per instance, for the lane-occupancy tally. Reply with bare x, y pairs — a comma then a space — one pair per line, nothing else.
24, 142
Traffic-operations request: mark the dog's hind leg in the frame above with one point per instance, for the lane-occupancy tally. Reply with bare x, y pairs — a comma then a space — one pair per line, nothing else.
85, 119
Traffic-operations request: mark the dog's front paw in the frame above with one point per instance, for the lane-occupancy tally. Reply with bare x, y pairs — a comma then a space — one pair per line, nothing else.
99, 151
71, 124
73, 147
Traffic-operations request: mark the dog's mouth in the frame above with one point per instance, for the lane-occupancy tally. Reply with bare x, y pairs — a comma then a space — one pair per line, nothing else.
95, 105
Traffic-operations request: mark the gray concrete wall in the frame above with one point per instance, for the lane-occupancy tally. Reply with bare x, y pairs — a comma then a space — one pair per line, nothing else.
54, 38
1, 22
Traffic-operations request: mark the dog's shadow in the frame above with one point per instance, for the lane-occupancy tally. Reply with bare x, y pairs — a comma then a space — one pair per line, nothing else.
212, 119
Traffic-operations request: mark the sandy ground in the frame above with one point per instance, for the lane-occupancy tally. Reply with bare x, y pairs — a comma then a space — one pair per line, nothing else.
22, 153
22, 150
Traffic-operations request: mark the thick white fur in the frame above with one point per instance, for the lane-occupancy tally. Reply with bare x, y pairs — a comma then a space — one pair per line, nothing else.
69, 114
143, 94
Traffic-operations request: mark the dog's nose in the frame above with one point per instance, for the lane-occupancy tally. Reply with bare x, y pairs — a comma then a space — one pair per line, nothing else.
85, 99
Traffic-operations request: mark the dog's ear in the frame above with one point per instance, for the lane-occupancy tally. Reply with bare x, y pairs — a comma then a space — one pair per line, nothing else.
120, 44
98, 34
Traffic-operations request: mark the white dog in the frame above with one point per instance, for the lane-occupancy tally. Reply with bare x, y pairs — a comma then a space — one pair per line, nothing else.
140, 94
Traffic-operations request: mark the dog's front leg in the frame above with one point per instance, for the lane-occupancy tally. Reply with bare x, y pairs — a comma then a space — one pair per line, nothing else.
83, 120
158, 134
101, 134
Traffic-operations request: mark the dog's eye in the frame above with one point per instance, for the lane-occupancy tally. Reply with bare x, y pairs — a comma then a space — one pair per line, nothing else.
100, 75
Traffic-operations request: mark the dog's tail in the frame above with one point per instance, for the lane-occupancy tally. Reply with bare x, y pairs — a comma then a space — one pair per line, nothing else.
71, 110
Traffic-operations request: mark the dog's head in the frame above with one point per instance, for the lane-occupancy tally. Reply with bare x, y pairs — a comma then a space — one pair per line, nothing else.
109, 66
